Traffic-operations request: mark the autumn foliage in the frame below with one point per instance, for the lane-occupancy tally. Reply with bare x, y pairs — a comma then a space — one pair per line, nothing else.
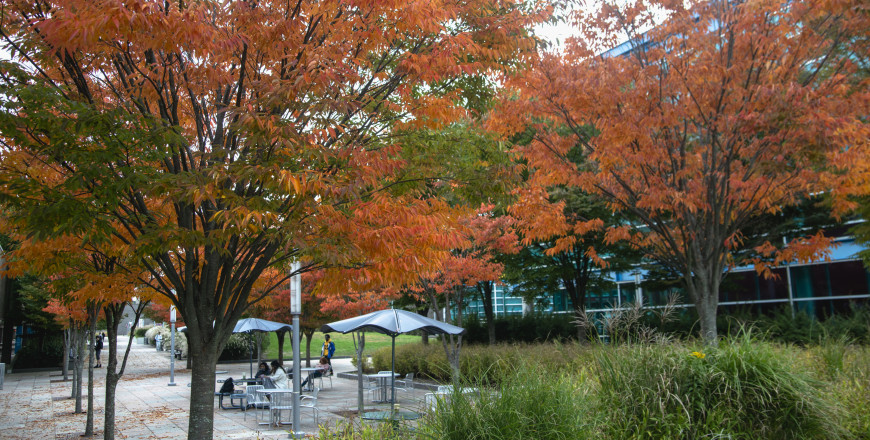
717, 113
216, 140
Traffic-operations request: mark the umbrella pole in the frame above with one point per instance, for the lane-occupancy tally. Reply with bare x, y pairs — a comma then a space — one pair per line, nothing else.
393, 370
251, 359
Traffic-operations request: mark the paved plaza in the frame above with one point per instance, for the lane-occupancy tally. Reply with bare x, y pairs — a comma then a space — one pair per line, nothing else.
37, 405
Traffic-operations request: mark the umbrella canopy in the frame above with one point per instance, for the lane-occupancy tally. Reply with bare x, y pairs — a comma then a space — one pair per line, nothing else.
251, 325
393, 323
248, 325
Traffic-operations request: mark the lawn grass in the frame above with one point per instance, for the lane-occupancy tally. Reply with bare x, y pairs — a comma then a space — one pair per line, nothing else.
343, 344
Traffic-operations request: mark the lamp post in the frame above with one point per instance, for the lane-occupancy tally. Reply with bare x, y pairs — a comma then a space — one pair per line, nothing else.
295, 311
172, 347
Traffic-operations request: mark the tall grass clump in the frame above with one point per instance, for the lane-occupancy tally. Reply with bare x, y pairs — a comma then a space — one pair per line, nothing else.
852, 388
528, 405
363, 431
741, 389
480, 362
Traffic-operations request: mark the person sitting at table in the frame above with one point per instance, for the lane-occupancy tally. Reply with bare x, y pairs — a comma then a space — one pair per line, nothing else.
263, 371
322, 368
279, 376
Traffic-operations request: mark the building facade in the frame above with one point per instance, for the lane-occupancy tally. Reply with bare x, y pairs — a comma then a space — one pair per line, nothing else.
819, 289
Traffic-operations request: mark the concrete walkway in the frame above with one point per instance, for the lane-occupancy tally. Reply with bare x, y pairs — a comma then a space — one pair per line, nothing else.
37, 405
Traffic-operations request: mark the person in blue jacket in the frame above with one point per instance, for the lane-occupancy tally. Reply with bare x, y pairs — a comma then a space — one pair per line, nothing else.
328, 350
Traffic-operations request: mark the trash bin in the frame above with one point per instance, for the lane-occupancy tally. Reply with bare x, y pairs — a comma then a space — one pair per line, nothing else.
158, 340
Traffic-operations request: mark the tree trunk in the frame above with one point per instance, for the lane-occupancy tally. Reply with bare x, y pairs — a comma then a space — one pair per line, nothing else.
308, 337
706, 297
74, 354
202, 380
112, 379
360, 345
204, 348
576, 285
452, 344
93, 309
81, 340
703, 287
424, 337
66, 348
114, 313
281, 347
485, 291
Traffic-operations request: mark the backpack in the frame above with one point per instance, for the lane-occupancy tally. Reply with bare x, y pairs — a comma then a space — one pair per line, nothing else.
227, 387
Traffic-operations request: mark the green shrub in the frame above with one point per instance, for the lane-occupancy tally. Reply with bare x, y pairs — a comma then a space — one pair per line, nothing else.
240, 346
368, 367
742, 389
529, 328
140, 331
40, 351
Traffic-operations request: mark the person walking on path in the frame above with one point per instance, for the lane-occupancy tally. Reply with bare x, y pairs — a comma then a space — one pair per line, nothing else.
98, 346
328, 350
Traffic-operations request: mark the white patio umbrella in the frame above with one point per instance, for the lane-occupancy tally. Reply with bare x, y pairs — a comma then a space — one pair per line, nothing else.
251, 325
392, 322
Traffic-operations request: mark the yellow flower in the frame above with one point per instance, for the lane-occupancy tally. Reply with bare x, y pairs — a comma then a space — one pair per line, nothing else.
698, 354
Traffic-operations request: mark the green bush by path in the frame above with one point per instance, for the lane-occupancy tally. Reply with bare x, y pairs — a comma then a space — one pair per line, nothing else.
140, 331
240, 346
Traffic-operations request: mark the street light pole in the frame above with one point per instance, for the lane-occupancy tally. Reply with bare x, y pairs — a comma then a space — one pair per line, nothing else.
172, 347
295, 311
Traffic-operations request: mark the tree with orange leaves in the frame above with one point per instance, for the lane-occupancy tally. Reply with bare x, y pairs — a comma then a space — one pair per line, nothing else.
484, 236
276, 307
74, 319
724, 112
93, 278
221, 139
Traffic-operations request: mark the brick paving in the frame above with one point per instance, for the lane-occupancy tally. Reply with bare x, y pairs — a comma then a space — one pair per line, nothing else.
37, 405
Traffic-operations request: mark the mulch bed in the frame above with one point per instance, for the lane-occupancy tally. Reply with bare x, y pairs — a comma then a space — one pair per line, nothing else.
347, 413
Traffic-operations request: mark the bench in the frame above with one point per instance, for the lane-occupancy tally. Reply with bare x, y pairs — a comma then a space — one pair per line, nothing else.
240, 395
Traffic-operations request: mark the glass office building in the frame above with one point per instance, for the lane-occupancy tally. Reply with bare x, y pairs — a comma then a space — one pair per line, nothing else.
819, 289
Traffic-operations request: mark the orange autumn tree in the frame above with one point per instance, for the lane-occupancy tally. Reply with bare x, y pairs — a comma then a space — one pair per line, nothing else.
481, 239
74, 319
276, 307
87, 278
721, 113
218, 139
